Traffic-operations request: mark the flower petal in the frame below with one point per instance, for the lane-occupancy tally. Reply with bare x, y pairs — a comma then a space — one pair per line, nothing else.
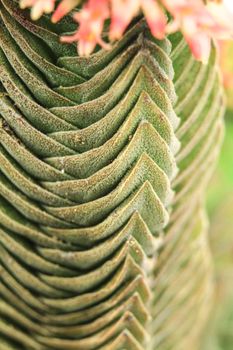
155, 17
64, 8
200, 45
122, 12
38, 7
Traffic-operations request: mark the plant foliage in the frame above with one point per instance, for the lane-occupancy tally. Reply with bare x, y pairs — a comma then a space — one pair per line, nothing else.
104, 163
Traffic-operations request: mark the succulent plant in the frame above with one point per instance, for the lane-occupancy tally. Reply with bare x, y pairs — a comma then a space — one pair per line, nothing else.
104, 163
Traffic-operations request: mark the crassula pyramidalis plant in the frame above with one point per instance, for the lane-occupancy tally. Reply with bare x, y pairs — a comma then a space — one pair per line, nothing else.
106, 153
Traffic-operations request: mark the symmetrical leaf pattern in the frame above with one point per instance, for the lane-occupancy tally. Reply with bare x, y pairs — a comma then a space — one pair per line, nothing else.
96, 251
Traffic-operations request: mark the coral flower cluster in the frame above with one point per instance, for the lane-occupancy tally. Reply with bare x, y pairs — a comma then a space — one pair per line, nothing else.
200, 21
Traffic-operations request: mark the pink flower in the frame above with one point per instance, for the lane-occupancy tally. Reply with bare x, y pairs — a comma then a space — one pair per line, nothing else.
38, 7
200, 21
91, 22
123, 12
199, 24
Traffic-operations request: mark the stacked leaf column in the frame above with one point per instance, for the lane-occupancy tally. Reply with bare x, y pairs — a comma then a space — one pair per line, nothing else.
96, 251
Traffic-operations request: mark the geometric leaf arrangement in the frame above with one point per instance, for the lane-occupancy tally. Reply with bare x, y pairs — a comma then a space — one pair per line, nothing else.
103, 167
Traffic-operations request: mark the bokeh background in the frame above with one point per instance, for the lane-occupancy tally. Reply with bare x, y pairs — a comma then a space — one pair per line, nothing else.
219, 335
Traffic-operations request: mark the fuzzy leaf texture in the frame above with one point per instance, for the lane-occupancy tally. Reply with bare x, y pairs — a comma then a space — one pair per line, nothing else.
104, 163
